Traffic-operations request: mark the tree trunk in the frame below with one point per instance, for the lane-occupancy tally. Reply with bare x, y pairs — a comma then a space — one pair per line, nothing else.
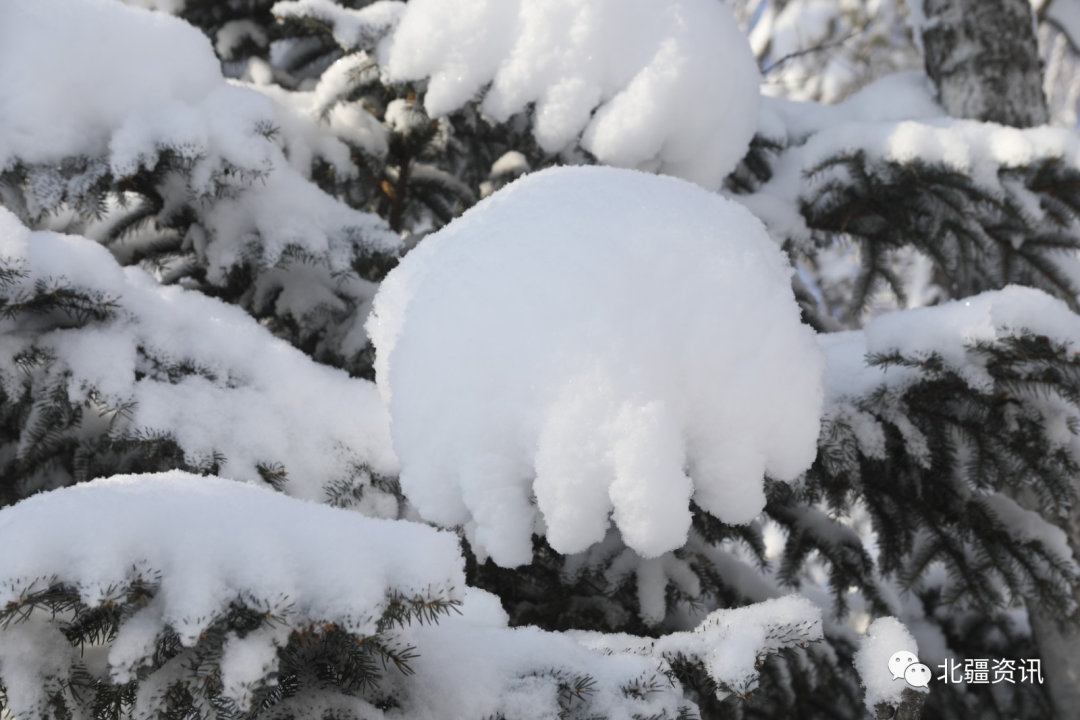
984, 60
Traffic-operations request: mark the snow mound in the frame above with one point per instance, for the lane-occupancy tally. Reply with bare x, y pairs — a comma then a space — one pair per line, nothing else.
661, 85
583, 338
181, 363
203, 542
197, 546
84, 100
236, 158
884, 638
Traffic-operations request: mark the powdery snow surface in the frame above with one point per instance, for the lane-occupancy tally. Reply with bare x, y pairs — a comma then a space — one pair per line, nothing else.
234, 140
884, 638
93, 86
661, 85
517, 663
521, 670
587, 357
255, 399
892, 98
210, 541
896, 120
972, 148
728, 642
948, 330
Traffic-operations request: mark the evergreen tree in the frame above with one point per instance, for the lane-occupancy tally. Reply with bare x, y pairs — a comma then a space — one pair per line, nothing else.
943, 488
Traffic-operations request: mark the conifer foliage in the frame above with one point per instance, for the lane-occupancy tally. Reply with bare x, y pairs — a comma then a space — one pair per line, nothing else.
283, 435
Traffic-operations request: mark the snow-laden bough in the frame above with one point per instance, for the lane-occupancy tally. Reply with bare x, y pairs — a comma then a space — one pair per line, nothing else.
667, 86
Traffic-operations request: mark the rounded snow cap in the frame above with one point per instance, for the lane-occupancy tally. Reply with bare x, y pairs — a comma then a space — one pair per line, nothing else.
592, 344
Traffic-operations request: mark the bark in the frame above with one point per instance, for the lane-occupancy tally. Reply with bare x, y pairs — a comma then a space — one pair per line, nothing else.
984, 60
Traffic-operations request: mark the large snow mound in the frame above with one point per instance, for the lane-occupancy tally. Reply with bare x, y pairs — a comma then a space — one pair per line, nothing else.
584, 338
661, 85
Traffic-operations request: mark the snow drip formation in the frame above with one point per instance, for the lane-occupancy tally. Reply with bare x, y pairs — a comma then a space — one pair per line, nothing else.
592, 344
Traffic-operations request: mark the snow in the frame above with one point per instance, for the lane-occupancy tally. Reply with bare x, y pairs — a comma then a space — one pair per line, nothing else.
235, 32
93, 85
351, 28
510, 163
287, 212
895, 121
509, 167
227, 140
337, 80
257, 399
588, 357
884, 638
204, 542
521, 670
972, 148
917, 22
311, 114
521, 666
949, 329
730, 643
405, 116
35, 660
661, 85
892, 98
1028, 526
